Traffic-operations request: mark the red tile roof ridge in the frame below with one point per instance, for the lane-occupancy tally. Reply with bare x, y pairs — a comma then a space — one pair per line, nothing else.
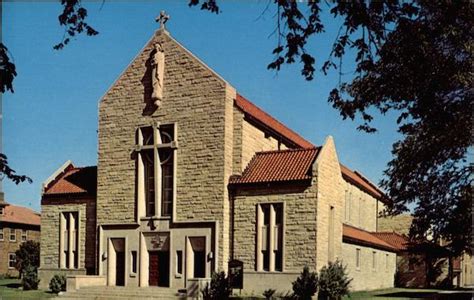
401, 241
266, 119
288, 150
374, 240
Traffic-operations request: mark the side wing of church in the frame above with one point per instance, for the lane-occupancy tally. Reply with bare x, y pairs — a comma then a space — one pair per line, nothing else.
191, 175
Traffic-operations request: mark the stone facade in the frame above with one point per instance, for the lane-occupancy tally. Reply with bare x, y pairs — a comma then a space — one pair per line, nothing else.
50, 236
366, 276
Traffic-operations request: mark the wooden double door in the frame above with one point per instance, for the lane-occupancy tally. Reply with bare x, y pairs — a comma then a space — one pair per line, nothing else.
159, 268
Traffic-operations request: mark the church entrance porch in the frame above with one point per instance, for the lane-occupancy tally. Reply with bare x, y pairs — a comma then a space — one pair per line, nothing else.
160, 256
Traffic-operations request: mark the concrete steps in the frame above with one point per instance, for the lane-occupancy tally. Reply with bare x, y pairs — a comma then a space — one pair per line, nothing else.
122, 293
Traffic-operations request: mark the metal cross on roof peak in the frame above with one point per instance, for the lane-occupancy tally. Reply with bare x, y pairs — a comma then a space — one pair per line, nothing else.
162, 19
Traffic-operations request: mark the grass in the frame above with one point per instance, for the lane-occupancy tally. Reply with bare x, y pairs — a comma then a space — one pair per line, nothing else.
9, 290
411, 294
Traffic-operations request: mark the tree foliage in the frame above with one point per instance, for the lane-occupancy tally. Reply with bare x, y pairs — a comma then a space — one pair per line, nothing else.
219, 287
30, 280
57, 283
27, 255
306, 285
333, 281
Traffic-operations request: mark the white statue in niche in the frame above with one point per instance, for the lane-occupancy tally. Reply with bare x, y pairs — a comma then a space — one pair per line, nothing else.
157, 73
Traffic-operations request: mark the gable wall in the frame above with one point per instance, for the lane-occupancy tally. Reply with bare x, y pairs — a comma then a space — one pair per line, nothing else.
249, 139
330, 193
201, 104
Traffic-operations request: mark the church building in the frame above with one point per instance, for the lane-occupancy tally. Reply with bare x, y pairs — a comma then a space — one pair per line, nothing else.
191, 175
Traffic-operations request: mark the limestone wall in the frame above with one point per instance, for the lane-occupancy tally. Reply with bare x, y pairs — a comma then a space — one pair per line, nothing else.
249, 139
50, 229
299, 215
363, 210
330, 193
200, 103
366, 277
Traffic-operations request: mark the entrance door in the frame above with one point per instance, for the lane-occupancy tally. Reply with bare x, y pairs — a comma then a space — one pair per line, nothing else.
120, 269
159, 267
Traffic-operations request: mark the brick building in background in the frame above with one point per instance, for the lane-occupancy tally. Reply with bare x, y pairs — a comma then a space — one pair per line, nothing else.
17, 225
188, 180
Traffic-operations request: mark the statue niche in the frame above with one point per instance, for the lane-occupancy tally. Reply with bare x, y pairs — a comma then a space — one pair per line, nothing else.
157, 74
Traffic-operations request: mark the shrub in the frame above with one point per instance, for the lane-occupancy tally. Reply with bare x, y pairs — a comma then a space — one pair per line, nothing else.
333, 281
268, 294
306, 285
57, 283
30, 279
218, 289
27, 255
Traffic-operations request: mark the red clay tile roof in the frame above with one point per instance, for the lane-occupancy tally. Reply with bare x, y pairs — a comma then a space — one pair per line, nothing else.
74, 181
265, 119
277, 166
262, 117
20, 214
361, 237
398, 241
360, 181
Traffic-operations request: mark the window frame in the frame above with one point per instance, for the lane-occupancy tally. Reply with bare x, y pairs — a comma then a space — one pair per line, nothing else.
264, 232
12, 233
179, 263
133, 262
2, 235
167, 131
10, 254
374, 261
358, 258
24, 235
64, 251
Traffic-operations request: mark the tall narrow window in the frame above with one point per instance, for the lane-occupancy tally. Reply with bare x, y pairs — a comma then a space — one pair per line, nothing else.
271, 238
24, 235
69, 256
12, 235
374, 260
331, 234
11, 260
347, 208
1, 234
156, 145
134, 262
357, 258
179, 262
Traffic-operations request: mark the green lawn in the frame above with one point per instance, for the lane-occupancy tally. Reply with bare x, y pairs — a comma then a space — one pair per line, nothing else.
410, 294
9, 289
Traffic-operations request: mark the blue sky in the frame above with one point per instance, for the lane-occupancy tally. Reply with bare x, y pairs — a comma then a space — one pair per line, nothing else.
52, 116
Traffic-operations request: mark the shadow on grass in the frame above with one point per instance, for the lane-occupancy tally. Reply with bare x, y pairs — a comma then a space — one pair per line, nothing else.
12, 285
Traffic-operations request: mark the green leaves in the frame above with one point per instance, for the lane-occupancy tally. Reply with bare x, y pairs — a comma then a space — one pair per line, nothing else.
73, 19
7, 70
